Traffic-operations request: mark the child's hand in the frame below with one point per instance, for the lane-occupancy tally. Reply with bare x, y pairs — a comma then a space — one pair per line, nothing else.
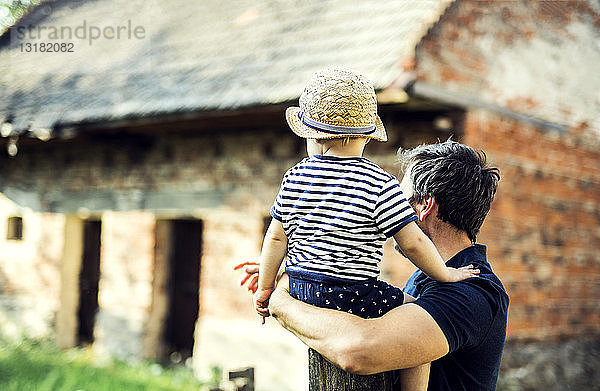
261, 302
462, 273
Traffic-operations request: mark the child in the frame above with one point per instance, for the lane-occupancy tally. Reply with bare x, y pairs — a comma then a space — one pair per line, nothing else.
335, 209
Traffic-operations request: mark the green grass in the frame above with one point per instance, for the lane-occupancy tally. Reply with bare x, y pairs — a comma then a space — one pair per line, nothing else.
38, 366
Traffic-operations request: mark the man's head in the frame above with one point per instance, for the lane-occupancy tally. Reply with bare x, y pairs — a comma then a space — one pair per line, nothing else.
457, 177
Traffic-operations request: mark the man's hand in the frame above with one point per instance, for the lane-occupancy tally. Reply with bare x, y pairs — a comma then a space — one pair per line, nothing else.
251, 274
280, 295
283, 283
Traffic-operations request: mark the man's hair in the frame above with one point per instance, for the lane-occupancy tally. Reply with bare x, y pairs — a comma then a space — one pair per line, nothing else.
457, 176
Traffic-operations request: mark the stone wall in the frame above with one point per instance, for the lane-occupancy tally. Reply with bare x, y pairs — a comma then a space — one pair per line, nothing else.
29, 272
227, 179
126, 273
551, 366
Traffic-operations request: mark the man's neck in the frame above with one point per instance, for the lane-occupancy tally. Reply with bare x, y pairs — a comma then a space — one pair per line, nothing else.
449, 241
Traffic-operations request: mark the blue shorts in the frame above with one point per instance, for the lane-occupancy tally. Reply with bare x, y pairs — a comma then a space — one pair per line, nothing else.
368, 299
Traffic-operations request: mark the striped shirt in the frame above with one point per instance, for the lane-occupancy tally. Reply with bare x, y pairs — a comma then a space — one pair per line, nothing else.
337, 213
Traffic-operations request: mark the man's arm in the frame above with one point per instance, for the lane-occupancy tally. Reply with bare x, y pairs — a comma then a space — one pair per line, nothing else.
405, 337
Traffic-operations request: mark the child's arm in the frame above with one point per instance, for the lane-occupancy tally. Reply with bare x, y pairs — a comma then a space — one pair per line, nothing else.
415, 379
417, 247
273, 251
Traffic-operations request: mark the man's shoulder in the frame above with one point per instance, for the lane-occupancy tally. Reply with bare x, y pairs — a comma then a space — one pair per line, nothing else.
465, 310
487, 286
487, 283
479, 293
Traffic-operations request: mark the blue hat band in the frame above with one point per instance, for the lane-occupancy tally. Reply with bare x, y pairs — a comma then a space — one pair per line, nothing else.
334, 129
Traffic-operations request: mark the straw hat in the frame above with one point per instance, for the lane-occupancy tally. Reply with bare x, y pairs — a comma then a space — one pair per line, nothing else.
337, 102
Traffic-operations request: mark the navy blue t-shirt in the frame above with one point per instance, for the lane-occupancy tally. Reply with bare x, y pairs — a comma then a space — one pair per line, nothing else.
472, 314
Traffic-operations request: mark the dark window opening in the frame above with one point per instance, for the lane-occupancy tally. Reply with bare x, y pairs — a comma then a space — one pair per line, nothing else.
89, 277
15, 228
268, 150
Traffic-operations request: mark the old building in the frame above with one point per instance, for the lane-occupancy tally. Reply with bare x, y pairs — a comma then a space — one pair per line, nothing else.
140, 167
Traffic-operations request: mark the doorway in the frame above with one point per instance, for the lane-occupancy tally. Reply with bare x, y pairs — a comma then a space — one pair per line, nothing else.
185, 253
89, 277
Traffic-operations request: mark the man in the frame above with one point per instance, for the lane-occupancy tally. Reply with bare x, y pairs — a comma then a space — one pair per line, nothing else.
459, 327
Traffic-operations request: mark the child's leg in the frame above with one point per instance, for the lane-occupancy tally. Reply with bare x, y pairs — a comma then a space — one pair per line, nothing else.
370, 299
415, 379
313, 292
380, 298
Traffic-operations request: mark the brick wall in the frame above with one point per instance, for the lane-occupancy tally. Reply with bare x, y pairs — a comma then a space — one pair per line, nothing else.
544, 228
535, 57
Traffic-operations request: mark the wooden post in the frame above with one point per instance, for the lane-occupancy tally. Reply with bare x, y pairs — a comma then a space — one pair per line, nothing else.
324, 376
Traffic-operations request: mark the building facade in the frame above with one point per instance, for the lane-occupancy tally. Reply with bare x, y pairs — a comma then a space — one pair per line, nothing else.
125, 208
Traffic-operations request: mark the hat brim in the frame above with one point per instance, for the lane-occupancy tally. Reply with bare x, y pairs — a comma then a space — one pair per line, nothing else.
295, 123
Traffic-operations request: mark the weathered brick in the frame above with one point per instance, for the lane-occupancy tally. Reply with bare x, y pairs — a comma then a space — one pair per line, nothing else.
543, 220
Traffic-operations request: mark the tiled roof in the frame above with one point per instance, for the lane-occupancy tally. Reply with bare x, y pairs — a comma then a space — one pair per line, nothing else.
196, 55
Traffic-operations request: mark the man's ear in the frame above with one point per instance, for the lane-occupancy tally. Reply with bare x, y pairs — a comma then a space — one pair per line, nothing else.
427, 208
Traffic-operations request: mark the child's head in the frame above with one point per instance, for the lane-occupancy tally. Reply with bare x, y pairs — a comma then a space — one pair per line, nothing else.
337, 103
